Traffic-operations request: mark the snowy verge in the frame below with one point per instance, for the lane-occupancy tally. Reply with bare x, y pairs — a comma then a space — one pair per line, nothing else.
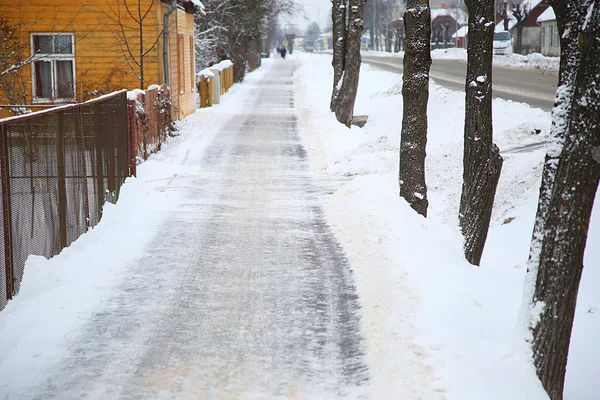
533, 61
437, 327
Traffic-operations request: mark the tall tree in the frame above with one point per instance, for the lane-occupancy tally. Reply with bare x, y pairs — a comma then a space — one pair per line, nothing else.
338, 18
313, 31
520, 10
415, 94
233, 28
347, 86
481, 160
569, 184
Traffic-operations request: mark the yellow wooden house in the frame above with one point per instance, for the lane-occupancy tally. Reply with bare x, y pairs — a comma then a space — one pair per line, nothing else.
80, 49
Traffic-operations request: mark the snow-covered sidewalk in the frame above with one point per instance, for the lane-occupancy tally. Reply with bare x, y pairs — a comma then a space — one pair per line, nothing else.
218, 273
215, 275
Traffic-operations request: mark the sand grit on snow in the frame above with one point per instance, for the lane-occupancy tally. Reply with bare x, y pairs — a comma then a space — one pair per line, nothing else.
437, 327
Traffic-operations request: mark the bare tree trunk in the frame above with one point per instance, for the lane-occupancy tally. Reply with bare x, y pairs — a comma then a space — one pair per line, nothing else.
519, 47
415, 94
338, 17
352, 61
481, 160
569, 185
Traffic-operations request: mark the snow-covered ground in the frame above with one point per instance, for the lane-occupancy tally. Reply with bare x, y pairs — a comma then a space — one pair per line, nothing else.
436, 327
534, 60
426, 310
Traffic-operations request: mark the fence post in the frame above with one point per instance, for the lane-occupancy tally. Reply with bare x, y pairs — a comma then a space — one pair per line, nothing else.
99, 157
86, 199
62, 184
216, 86
110, 152
6, 213
131, 130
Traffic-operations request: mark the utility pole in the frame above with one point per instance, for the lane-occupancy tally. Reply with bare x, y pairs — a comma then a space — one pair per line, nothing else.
375, 27
495, 13
388, 42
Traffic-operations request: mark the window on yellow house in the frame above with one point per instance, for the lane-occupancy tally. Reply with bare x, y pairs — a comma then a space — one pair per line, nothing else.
54, 66
192, 63
181, 63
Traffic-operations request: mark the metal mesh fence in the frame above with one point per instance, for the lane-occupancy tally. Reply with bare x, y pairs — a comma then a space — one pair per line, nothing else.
150, 120
58, 167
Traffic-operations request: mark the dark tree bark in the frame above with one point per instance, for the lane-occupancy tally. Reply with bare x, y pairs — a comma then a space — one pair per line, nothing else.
569, 185
338, 17
520, 11
481, 161
415, 94
352, 60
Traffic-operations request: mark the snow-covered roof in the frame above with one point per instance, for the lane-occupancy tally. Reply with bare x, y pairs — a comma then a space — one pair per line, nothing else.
547, 15
190, 6
456, 13
462, 32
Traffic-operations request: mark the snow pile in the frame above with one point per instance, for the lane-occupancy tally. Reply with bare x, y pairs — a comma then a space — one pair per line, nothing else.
534, 60
133, 94
437, 327
205, 73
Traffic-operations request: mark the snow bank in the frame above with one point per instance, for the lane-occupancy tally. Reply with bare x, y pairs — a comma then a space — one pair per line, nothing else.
534, 60
437, 327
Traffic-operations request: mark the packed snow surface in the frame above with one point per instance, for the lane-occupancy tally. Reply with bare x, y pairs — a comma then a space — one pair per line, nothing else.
433, 321
434, 326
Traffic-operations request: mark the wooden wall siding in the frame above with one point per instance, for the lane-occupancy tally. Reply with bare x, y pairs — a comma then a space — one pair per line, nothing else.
100, 63
181, 23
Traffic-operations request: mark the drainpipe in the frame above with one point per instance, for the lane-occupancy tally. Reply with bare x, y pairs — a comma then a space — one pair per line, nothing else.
166, 41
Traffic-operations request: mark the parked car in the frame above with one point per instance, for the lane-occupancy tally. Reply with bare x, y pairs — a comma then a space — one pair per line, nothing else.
503, 43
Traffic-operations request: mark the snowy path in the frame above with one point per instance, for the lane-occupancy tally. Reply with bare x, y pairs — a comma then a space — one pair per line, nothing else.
243, 293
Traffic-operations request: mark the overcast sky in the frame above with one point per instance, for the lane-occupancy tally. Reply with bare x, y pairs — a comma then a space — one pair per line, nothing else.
316, 10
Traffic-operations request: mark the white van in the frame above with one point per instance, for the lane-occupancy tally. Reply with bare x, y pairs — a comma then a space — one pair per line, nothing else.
503, 43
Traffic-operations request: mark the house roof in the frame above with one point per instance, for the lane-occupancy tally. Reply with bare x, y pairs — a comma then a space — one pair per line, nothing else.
547, 15
190, 6
535, 7
462, 32
455, 13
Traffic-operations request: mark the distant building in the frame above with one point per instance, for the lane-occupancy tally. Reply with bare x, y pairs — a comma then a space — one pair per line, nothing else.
445, 22
549, 38
447, 17
529, 28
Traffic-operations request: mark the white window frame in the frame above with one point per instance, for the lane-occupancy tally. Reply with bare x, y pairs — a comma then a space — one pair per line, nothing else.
52, 58
543, 35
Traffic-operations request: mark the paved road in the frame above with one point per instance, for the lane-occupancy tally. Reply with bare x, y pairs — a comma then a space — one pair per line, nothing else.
534, 87
244, 293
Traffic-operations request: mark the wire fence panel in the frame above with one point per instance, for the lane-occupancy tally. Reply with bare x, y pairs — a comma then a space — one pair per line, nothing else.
150, 117
58, 168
